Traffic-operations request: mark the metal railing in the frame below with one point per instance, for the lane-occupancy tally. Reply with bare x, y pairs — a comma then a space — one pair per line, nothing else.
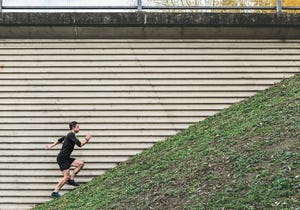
140, 7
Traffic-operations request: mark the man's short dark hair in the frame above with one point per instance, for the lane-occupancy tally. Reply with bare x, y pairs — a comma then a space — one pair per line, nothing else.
72, 124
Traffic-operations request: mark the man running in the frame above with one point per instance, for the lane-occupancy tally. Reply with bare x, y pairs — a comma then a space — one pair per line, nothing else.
65, 161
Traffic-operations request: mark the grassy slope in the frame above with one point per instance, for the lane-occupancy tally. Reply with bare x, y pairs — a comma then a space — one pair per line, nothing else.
245, 157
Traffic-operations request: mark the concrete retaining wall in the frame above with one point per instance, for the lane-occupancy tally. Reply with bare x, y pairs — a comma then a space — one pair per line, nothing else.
129, 94
150, 25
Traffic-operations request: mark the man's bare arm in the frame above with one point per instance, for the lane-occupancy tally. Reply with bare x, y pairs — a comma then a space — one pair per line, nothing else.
86, 140
49, 146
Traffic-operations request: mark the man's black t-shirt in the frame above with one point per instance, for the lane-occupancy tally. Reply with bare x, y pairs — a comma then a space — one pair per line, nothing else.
69, 142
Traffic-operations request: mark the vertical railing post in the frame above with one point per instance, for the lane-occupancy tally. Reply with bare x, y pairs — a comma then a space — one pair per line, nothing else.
0, 5
278, 6
139, 6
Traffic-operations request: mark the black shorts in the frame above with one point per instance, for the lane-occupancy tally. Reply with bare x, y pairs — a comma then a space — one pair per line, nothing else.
64, 162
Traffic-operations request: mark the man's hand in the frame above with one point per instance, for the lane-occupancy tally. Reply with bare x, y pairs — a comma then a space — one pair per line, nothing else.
86, 140
88, 137
48, 146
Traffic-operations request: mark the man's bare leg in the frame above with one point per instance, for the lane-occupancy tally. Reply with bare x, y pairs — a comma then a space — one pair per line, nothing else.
67, 176
78, 166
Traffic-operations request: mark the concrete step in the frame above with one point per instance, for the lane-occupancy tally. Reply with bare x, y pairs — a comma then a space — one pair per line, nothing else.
121, 101
46, 166
124, 94
42, 193
91, 145
141, 69
127, 113
77, 152
130, 88
105, 107
32, 186
138, 82
29, 200
143, 75
49, 173
100, 126
96, 133
199, 51
38, 180
51, 159
104, 139
36, 63
151, 57
14, 206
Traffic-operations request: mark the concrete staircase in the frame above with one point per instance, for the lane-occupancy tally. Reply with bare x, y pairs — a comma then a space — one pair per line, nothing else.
128, 93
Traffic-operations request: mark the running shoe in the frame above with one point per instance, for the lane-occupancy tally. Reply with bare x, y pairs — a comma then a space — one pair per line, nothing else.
55, 195
72, 182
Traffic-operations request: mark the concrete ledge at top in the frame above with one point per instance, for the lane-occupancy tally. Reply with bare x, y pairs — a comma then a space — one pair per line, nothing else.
149, 25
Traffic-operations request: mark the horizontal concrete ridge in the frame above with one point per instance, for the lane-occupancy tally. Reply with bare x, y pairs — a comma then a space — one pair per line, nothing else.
128, 93
149, 19
149, 25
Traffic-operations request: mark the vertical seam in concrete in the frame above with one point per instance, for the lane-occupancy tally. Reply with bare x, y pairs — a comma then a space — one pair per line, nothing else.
75, 28
76, 31
182, 32
145, 19
144, 26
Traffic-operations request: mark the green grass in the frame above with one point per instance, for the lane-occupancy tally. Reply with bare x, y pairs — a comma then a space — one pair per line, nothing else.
245, 157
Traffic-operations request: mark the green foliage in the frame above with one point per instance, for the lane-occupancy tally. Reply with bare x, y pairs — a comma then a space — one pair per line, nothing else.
230, 3
245, 157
